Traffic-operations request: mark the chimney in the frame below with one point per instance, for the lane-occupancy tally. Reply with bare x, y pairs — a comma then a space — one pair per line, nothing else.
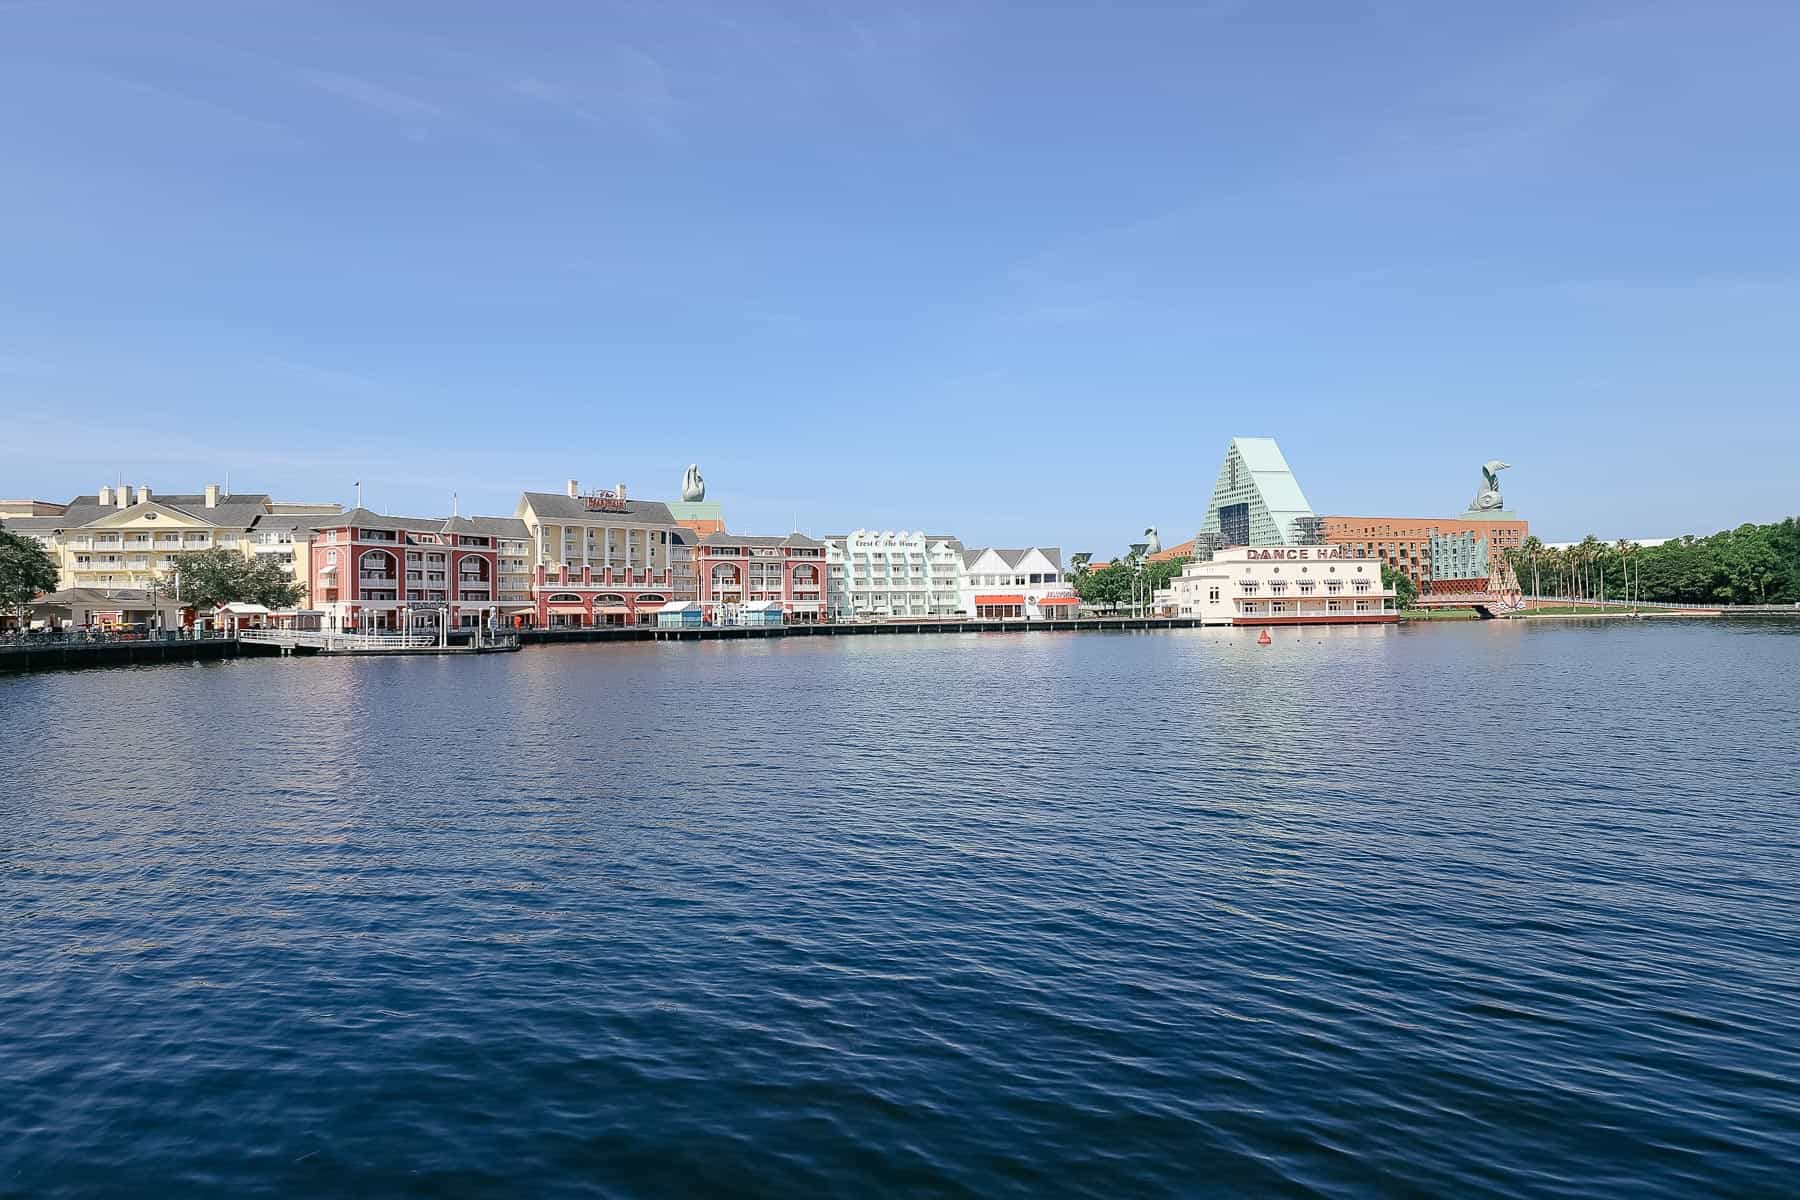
574, 489
621, 491
143, 494
105, 497
212, 495
123, 498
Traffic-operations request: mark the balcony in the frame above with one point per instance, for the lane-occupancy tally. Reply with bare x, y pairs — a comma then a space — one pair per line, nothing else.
378, 581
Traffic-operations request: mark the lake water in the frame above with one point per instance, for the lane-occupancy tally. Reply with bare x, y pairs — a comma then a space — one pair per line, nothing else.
1507, 909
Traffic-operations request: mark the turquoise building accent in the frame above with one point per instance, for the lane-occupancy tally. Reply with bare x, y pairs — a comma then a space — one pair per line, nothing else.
1459, 556
679, 614
1257, 501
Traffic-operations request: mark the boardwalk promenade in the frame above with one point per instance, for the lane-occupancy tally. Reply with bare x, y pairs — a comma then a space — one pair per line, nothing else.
50, 653
650, 633
37, 654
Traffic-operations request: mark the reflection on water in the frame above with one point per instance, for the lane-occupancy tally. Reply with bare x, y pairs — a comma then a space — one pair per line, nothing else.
1489, 910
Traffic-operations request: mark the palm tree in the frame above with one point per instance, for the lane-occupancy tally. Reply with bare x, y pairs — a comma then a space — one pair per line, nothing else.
1532, 548
1590, 549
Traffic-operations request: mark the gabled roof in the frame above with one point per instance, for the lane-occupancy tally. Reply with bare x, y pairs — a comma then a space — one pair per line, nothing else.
32, 524
556, 506
500, 527
362, 518
739, 539
1012, 558
231, 512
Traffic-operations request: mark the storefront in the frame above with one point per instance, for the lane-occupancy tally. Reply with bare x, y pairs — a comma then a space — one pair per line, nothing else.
999, 607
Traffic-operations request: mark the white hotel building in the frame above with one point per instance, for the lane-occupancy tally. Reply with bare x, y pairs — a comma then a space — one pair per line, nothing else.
1026, 584
1282, 585
892, 574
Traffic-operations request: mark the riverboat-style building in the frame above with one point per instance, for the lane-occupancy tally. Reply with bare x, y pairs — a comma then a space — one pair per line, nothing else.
1282, 585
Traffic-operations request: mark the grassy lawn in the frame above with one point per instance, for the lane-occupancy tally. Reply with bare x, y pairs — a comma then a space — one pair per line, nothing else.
1439, 614
1576, 610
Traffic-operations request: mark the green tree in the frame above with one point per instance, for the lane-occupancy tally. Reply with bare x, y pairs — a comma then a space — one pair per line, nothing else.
26, 571
1110, 586
214, 577
1406, 592
1752, 564
1158, 574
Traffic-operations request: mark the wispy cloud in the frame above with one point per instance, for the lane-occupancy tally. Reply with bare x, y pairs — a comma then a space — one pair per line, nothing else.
375, 97
625, 88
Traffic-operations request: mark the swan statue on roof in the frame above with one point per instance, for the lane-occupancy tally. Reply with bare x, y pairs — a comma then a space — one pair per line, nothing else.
1153, 543
1488, 499
693, 488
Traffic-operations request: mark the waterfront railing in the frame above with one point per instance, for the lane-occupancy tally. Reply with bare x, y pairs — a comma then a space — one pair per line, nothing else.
42, 639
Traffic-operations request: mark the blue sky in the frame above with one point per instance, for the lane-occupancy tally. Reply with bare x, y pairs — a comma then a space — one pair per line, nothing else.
1012, 271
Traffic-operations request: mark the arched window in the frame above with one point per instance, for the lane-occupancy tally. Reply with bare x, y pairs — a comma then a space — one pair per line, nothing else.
564, 598
378, 563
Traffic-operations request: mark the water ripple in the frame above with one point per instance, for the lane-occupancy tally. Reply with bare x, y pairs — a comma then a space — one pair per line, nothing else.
1487, 911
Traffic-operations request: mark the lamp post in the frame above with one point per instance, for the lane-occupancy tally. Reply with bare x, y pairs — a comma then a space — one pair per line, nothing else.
1136, 558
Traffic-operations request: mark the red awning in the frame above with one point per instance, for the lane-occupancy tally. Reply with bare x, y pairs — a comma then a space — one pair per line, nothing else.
980, 599
1047, 601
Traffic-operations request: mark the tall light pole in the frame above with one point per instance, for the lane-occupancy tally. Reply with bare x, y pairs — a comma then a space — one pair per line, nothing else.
1137, 571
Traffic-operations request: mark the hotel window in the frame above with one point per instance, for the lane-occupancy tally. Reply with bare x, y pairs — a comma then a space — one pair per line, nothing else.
1332, 606
1278, 587
1277, 606
1334, 586
1306, 587
1213, 595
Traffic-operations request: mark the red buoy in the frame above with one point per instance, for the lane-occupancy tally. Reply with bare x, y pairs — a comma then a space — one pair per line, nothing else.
1263, 638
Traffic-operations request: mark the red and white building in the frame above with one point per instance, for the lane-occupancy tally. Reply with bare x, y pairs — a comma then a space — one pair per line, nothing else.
1017, 585
734, 570
373, 572
1282, 585
602, 558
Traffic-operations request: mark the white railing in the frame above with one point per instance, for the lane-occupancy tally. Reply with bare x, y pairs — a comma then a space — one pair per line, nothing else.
323, 640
